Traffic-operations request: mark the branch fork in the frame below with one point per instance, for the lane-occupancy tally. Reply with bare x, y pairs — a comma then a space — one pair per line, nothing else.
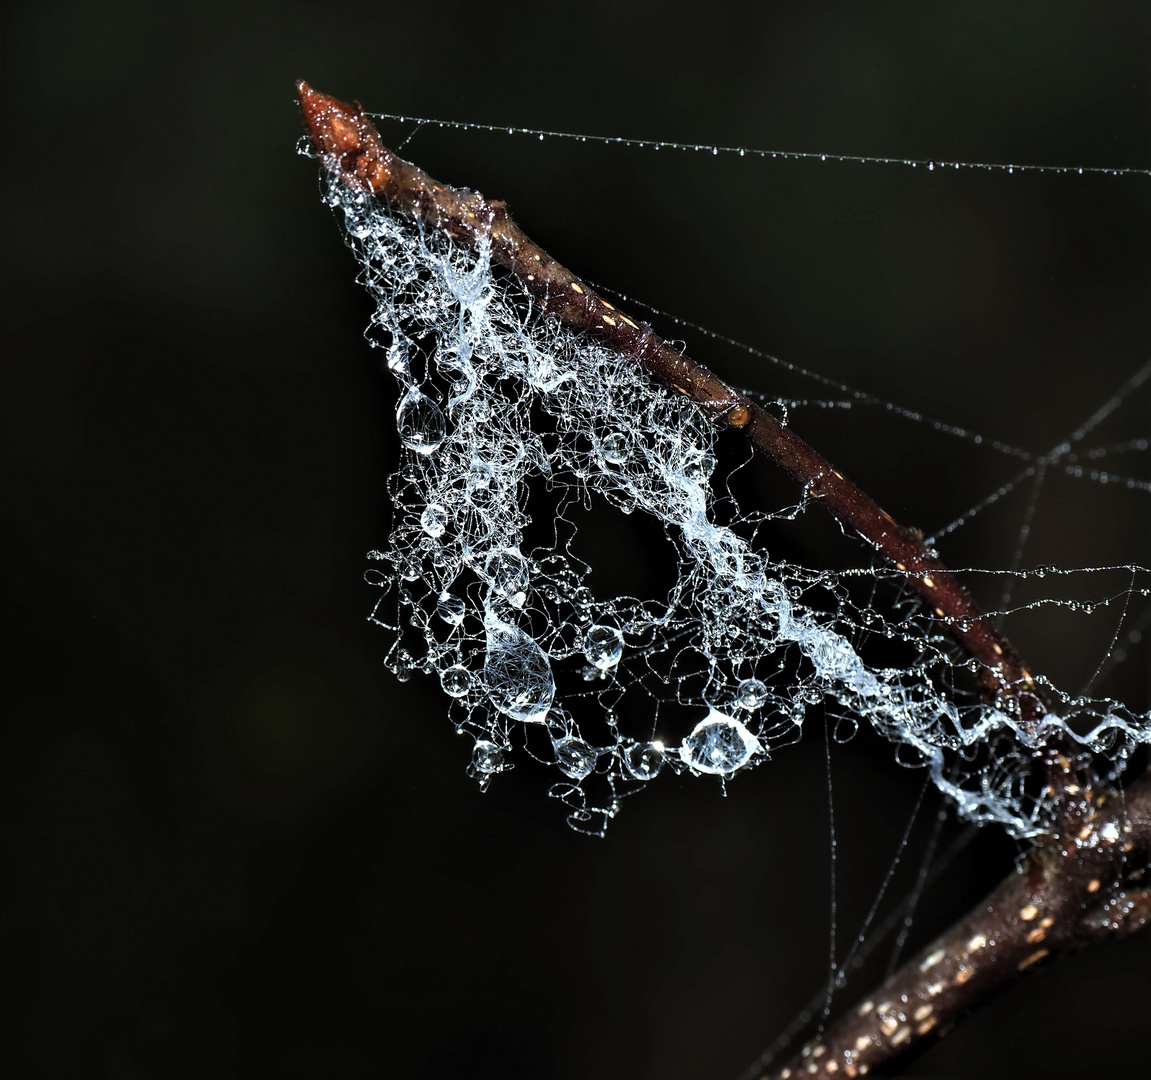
1082, 885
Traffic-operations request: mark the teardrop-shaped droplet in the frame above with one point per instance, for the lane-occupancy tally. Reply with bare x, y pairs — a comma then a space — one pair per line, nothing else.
719, 745
517, 672
574, 757
456, 680
420, 422
604, 646
643, 760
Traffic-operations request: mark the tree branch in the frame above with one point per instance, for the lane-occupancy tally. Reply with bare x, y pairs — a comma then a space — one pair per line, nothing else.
1065, 895
351, 150
1083, 885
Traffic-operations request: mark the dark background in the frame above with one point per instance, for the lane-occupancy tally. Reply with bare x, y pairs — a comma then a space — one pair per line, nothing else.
236, 845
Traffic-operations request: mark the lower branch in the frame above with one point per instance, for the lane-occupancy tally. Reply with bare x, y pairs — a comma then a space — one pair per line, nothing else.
1070, 892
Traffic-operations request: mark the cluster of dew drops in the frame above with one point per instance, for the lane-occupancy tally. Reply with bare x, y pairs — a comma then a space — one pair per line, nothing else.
498, 403
464, 600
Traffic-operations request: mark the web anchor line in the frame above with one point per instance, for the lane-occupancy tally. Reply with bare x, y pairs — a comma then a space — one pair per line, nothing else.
929, 164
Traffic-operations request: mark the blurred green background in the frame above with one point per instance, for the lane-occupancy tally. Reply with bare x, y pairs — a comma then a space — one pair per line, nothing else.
236, 846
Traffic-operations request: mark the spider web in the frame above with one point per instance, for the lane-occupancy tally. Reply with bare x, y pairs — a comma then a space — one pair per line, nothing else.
519, 437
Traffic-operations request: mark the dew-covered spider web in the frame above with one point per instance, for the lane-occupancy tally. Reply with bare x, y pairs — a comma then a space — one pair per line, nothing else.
516, 432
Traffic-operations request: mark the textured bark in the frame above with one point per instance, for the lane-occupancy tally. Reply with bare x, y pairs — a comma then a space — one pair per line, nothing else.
1068, 893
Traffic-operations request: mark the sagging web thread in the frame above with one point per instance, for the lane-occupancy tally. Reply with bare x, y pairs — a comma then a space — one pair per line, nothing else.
930, 164
511, 427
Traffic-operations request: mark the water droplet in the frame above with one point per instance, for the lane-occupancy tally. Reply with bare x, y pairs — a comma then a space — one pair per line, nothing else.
357, 222
420, 422
750, 694
643, 760
615, 449
402, 665
397, 357
450, 608
718, 745
507, 573
434, 519
604, 646
583, 600
517, 672
487, 760
699, 467
456, 680
574, 757
410, 568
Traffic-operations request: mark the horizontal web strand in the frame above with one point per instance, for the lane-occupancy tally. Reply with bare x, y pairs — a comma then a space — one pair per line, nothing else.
930, 164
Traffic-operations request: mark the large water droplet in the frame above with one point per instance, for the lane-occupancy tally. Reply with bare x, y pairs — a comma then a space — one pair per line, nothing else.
357, 222
507, 573
517, 672
604, 646
434, 520
643, 760
614, 449
699, 467
719, 745
420, 422
397, 357
487, 760
450, 608
751, 694
582, 601
574, 757
487, 756
456, 680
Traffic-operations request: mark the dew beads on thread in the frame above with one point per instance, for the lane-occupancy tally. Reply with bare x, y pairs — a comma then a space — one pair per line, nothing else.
928, 164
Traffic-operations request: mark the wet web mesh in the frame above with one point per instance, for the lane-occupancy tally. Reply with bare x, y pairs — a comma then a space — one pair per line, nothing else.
518, 438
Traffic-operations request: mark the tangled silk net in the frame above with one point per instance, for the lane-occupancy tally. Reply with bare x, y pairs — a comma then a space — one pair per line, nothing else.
513, 428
